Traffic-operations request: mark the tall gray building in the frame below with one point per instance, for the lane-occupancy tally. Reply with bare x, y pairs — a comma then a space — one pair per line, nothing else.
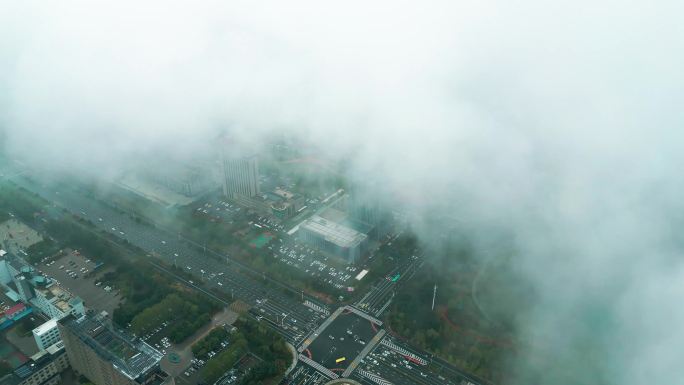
106, 356
240, 175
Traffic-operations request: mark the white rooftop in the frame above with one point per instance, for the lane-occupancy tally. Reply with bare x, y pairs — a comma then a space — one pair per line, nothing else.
46, 327
336, 233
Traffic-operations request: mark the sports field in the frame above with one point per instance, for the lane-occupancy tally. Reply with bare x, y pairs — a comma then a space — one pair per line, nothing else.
262, 240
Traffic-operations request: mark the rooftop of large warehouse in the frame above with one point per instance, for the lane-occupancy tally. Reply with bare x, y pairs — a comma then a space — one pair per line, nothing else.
336, 233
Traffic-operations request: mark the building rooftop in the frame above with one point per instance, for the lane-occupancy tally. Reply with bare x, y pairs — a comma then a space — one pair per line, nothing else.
49, 325
281, 192
61, 298
333, 215
46, 356
362, 227
15, 309
336, 233
39, 361
131, 358
32, 282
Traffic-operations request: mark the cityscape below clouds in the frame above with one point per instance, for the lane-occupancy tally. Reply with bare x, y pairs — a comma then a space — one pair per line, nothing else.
462, 193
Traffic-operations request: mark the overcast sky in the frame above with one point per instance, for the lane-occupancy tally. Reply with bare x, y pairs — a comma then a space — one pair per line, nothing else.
558, 120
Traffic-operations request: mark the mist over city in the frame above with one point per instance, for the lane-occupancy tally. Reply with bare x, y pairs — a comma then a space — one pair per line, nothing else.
467, 193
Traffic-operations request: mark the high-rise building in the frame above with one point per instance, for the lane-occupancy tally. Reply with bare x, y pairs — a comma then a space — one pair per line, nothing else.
46, 334
106, 356
240, 175
368, 204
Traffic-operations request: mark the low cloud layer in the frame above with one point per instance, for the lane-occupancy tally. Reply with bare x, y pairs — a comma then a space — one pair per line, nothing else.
559, 122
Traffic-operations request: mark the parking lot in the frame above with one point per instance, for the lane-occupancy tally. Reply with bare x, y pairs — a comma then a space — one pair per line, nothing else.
285, 248
79, 276
312, 263
217, 210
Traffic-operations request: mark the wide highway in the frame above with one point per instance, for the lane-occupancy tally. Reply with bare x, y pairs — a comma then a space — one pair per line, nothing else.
291, 317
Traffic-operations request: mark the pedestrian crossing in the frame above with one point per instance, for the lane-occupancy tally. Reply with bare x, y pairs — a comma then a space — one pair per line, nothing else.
373, 377
403, 352
316, 307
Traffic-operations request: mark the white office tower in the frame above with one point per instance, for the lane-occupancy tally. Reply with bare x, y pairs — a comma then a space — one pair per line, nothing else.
47, 334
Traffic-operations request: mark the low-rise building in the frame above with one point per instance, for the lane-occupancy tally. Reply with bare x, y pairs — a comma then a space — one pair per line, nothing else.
43, 368
12, 315
333, 238
286, 203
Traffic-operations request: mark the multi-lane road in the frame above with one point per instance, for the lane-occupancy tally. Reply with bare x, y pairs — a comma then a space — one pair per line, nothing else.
290, 317
391, 364
379, 297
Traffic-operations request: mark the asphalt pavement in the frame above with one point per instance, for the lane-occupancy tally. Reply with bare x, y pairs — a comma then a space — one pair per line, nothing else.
292, 318
289, 317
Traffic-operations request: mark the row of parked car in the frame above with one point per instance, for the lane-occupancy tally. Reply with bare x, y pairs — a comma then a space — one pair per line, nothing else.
195, 365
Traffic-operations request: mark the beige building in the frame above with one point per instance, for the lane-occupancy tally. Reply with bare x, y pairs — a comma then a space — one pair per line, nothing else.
56, 302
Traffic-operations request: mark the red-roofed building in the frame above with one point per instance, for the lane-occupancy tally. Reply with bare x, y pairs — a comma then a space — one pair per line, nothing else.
14, 309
